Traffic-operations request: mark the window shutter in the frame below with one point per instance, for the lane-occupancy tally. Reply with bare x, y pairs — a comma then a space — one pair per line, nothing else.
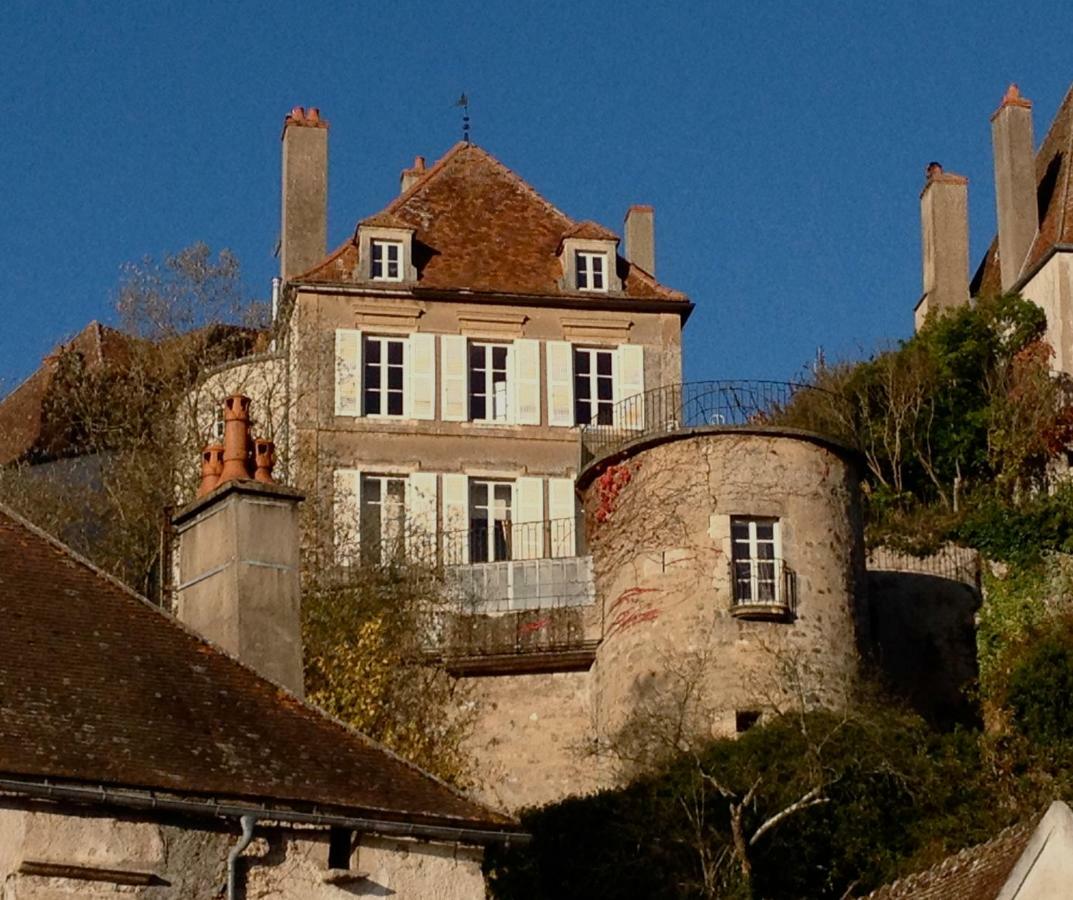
421, 517
347, 372
525, 377
630, 386
527, 531
560, 362
346, 506
562, 512
455, 519
421, 377
453, 374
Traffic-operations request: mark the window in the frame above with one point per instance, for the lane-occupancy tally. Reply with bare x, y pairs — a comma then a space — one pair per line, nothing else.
386, 260
591, 270
488, 382
383, 517
755, 560
489, 520
744, 719
594, 386
339, 847
383, 381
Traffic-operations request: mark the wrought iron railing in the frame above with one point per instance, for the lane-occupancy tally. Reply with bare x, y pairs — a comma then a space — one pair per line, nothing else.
702, 403
765, 585
954, 563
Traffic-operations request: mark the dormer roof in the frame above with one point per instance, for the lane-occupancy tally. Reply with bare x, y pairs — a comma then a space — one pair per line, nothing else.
1054, 193
479, 227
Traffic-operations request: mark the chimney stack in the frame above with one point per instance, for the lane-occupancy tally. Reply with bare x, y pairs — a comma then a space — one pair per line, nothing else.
944, 233
304, 213
411, 176
1015, 183
641, 237
238, 555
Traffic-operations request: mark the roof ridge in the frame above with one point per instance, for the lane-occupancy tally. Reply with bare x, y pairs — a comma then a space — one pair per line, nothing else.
64, 550
1067, 99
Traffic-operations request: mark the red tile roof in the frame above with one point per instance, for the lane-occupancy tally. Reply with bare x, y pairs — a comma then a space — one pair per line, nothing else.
480, 227
1054, 191
97, 686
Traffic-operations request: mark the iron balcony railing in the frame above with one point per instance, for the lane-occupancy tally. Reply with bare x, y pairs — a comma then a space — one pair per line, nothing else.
763, 585
704, 403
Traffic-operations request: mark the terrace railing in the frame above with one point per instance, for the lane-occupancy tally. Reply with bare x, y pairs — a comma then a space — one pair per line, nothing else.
762, 588
675, 407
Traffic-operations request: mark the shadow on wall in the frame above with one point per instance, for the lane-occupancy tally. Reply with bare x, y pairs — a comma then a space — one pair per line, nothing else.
923, 642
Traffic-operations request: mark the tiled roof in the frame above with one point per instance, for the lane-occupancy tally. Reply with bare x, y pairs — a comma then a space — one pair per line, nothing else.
479, 227
99, 687
977, 873
1054, 192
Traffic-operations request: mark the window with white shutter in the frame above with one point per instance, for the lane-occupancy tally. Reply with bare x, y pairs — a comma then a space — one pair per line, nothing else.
383, 376
594, 385
488, 384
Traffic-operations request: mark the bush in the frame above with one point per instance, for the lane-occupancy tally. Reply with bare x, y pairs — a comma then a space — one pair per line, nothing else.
1040, 694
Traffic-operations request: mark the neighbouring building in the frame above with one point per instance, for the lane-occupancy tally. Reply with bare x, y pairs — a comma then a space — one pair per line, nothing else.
136, 756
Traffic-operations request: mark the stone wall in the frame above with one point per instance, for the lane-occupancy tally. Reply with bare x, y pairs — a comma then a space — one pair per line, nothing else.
48, 854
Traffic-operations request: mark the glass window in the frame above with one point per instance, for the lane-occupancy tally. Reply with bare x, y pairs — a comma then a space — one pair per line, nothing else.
591, 271
386, 261
383, 376
594, 386
383, 517
489, 520
488, 382
755, 560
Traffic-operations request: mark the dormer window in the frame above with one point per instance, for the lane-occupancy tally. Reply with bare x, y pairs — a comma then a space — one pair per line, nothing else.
386, 263
591, 270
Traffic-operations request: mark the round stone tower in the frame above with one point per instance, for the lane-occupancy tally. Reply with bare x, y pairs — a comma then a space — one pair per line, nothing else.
729, 563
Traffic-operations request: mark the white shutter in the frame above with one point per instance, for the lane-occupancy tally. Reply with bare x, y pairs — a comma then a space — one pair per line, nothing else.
560, 363
527, 530
562, 514
455, 519
421, 517
525, 375
421, 377
454, 401
346, 516
347, 372
630, 386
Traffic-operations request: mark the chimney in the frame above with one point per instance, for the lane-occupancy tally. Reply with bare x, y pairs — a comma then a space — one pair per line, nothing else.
238, 555
944, 233
411, 176
641, 237
1015, 183
304, 213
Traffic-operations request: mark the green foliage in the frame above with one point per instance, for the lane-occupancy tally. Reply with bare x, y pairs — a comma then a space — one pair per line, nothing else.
895, 797
1012, 609
1020, 532
1040, 693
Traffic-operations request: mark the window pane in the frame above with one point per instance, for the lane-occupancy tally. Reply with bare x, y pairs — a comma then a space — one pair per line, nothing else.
582, 412
478, 408
598, 280
581, 362
394, 352
765, 531
372, 403
502, 495
603, 363
476, 356
606, 414
478, 541
604, 389
582, 261
372, 350
392, 269
394, 378
372, 376
501, 548
394, 404
393, 252
739, 528
499, 358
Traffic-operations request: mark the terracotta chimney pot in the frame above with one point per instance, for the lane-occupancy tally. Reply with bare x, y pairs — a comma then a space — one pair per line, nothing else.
264, 452
236, 438
212, 464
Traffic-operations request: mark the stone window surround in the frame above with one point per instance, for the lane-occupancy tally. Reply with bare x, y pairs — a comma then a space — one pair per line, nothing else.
568, 258
403, 236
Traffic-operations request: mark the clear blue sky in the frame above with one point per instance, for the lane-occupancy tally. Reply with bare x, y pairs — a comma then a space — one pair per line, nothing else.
783, 144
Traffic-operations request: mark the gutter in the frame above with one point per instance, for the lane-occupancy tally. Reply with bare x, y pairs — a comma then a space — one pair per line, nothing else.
130, 799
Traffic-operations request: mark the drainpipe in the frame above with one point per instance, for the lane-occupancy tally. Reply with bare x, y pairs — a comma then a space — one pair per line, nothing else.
247, 823
276, 283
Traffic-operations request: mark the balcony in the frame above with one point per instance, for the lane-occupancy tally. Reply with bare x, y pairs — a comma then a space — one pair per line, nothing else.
763, 589
705, 404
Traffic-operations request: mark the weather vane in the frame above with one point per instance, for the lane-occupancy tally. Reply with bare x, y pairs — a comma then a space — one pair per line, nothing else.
463, 101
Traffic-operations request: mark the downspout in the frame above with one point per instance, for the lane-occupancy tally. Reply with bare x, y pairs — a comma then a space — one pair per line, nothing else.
247, 823
276, 283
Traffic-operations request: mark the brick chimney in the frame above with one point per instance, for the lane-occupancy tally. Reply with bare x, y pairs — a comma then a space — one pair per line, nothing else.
1015, 183
640, 231
238, 555
304, 207
410, 176
944, 234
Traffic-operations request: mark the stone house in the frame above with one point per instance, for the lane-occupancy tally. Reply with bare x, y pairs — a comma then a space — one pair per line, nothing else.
135, 756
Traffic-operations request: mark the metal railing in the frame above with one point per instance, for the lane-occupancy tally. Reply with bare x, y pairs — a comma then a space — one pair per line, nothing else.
486, 541
769, 585
701, 403
954, 563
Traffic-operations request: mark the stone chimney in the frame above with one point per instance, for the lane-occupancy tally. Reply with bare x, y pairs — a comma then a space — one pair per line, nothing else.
411, 176
640, 231
304, 208
1015, 183
238, 555
944, 234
